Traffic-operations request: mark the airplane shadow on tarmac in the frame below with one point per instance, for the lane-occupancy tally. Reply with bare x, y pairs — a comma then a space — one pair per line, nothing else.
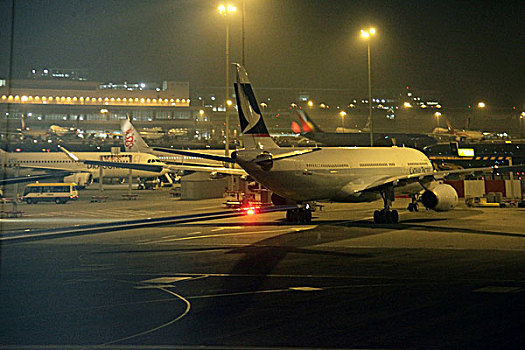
262, 257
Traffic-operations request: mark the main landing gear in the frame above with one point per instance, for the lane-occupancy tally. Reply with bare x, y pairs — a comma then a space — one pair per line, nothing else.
413, 206
301, 215
386, 216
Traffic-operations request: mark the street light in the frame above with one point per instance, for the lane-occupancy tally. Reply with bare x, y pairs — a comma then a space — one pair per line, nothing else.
226, 10
343, 115
366, 34
481, 104
437, 115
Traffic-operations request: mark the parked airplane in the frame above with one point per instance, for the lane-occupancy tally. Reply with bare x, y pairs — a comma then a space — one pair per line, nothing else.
356, 137
457, 135
58, 164
187, 160
342, 174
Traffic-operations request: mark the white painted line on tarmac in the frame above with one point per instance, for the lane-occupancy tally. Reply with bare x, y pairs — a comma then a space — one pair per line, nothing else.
222, 235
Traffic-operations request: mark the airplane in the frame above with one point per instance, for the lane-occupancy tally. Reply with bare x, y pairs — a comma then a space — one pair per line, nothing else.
457, 135
299, 177
15, 164
339, 174
56, 130
356, 137
167, 162
185, 161
61, 131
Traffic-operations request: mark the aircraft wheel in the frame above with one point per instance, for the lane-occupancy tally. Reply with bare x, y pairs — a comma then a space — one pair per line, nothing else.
300, 217
29, 201
395, 216
377, 217
308, 215
289, 215
410, 206
292, 216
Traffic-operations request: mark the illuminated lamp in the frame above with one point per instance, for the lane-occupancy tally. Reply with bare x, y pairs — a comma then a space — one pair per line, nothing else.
17, 98
100, 99
112, 99
142, 100
148, 100
24, 98
177, 100
75, 99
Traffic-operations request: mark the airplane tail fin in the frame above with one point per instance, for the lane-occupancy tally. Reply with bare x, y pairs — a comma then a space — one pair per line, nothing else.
254, 131
307, 124
133, 142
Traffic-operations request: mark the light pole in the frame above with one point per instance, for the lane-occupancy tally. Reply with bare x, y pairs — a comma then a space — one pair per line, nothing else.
522, 115
437, 115
243, 33
226, 11
343, 115
366, 34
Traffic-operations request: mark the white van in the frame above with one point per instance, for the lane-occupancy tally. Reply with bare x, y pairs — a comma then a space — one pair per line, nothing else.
50, 192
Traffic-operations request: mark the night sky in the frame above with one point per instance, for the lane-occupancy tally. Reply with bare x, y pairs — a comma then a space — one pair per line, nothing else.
466, 50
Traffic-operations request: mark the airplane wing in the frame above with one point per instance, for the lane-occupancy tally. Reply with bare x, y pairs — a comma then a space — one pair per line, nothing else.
31, 178
194, 154
155, 167
426, 178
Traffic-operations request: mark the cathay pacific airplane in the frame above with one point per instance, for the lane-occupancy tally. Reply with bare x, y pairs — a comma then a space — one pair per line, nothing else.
301, 176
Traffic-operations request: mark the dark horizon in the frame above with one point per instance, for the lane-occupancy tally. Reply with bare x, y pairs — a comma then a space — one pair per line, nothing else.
466, 51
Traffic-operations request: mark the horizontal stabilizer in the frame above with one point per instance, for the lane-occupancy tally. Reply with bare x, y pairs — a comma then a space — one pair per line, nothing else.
135, 166
31, 178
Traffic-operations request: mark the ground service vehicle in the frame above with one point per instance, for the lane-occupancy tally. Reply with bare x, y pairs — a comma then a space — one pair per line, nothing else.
50, 192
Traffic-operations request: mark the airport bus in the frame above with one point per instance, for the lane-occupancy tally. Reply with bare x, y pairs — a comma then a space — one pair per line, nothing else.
50, 192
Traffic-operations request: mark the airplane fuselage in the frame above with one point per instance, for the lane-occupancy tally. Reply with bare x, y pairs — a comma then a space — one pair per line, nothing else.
338, 174
31, 162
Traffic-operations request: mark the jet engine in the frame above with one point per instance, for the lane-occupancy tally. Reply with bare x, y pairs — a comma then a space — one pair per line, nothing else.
265, 161
216, 175
442, 198
81, 179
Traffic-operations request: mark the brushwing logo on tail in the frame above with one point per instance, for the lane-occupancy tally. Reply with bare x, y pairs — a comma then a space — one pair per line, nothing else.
129, 139
249, 112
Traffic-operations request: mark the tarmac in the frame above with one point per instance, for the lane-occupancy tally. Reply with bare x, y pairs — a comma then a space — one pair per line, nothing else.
442, 280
